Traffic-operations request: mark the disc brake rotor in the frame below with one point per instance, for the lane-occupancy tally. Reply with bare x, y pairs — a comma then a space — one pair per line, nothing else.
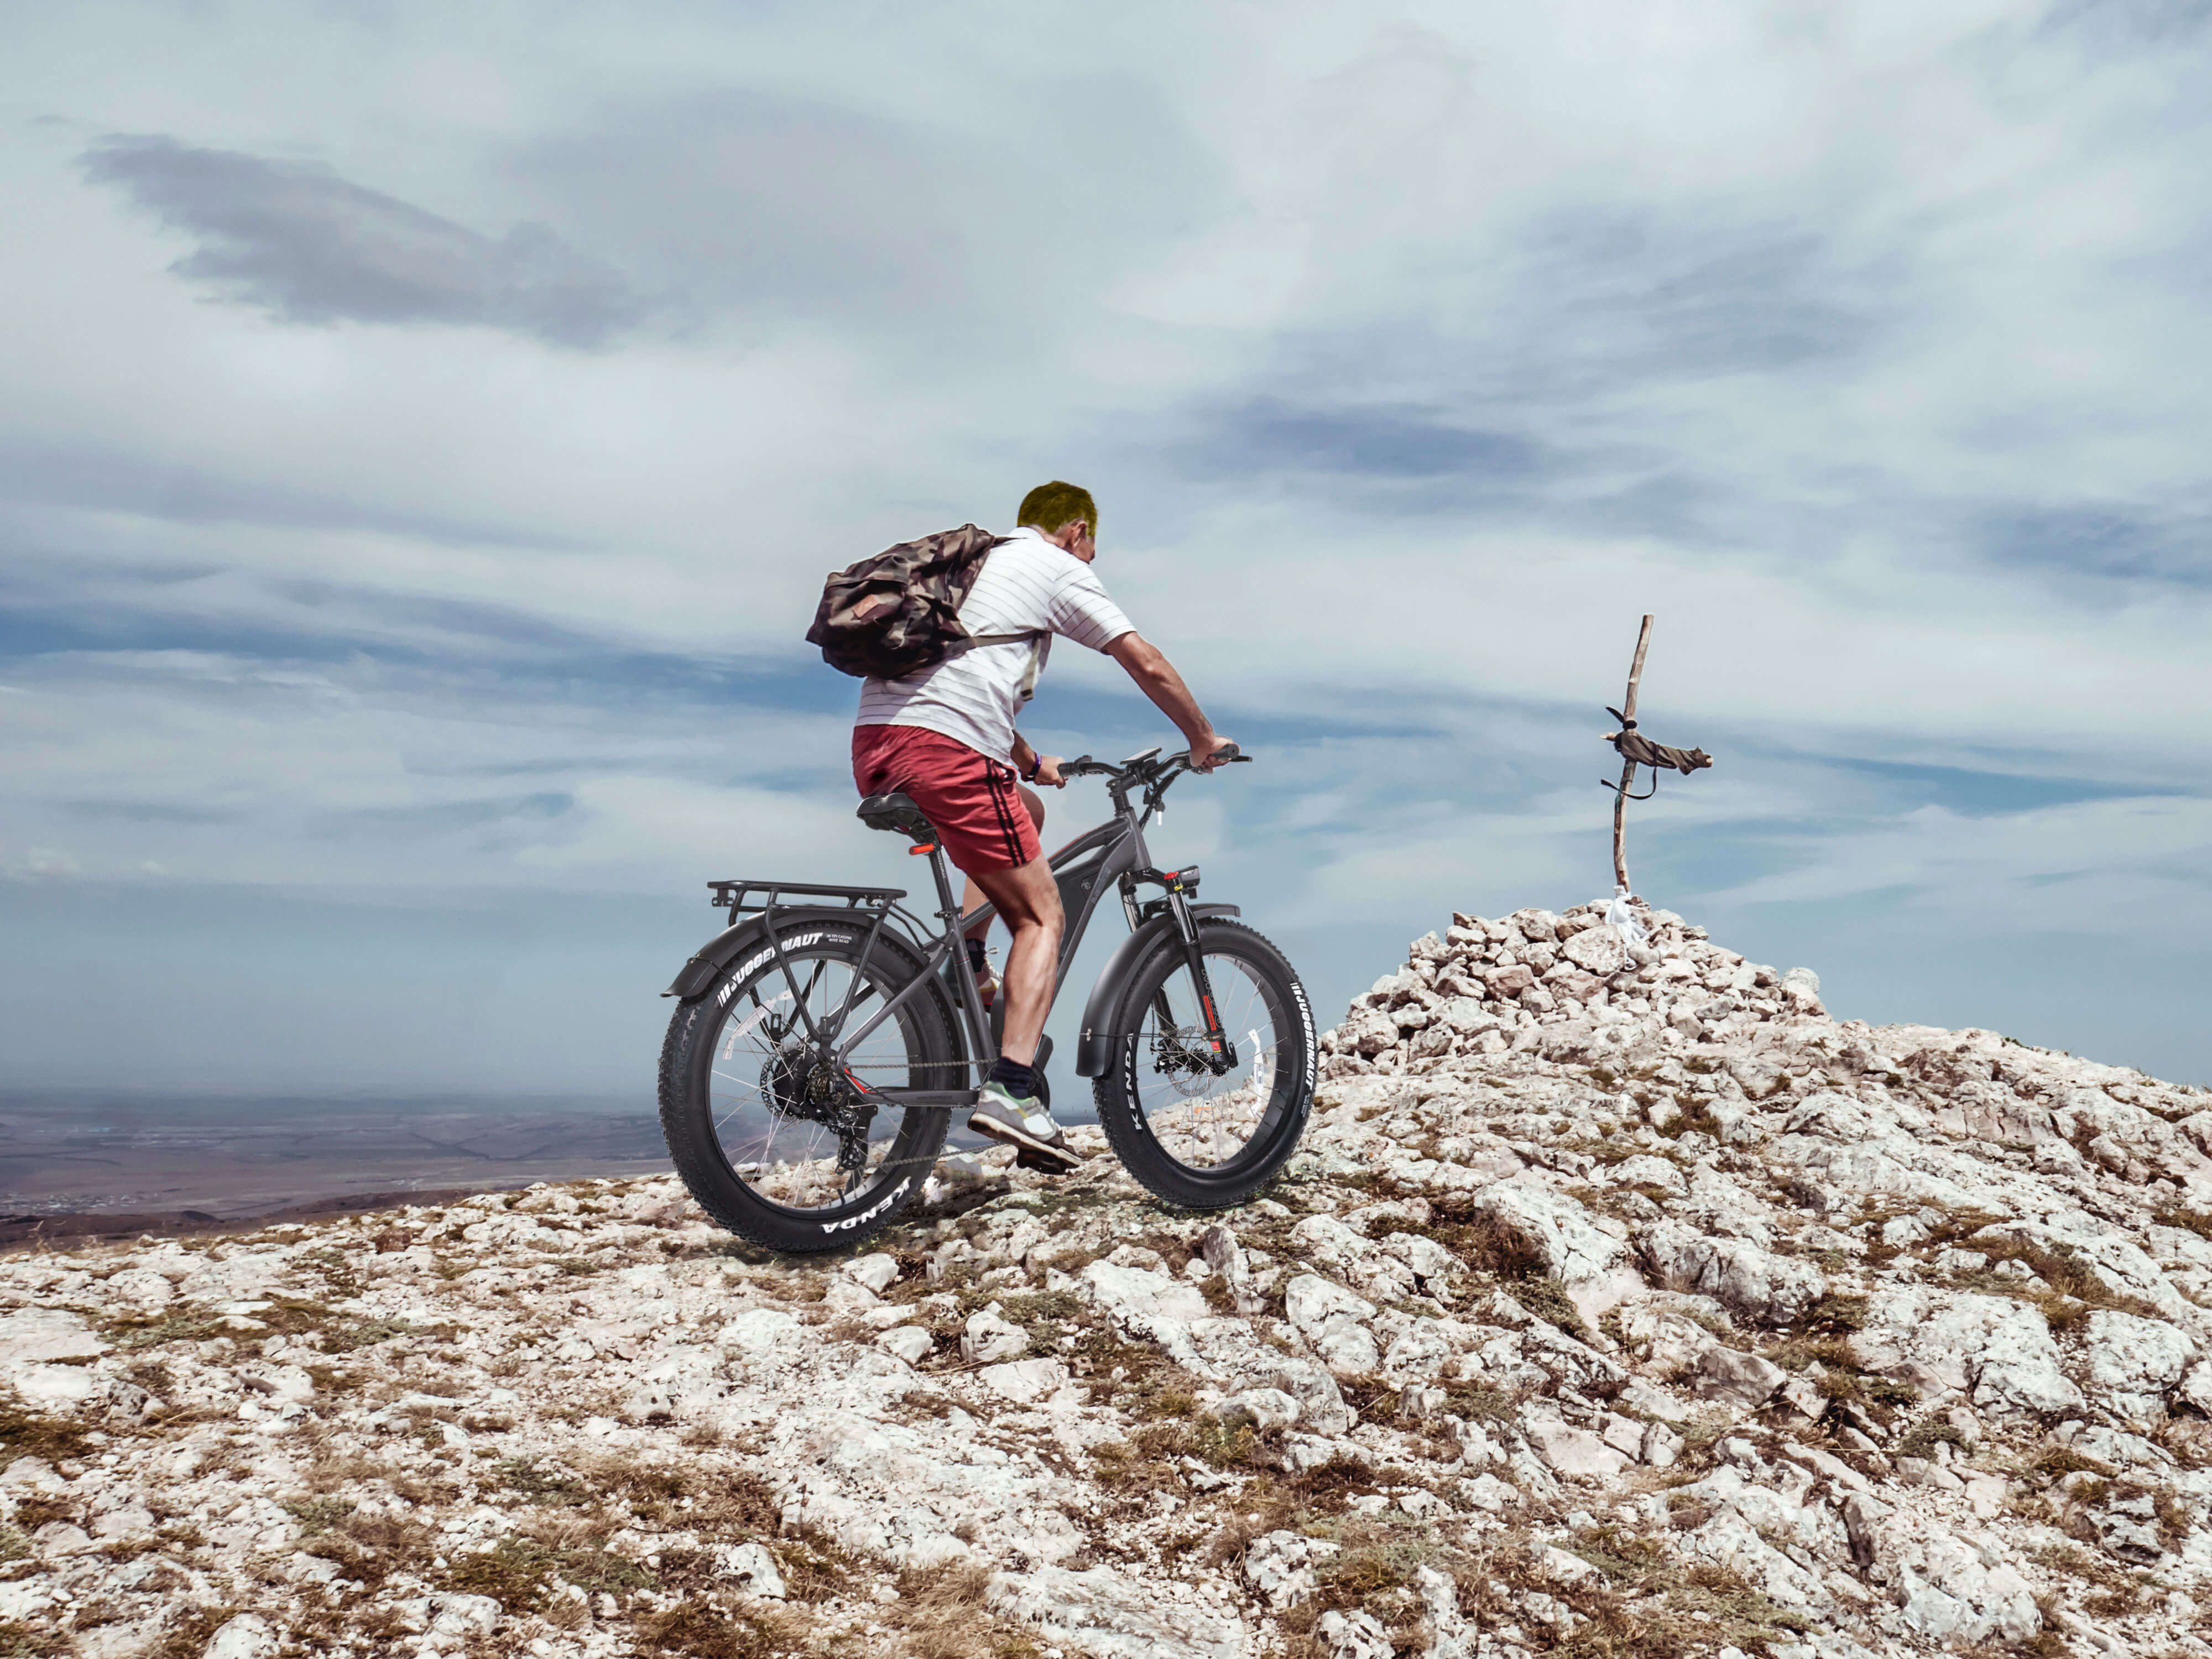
1185, 1067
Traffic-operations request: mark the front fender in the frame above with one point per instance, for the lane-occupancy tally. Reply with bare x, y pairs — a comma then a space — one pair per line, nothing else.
693, 980
1094, 1046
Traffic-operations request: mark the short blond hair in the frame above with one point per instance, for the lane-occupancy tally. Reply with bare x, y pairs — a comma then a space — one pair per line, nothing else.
1053, 506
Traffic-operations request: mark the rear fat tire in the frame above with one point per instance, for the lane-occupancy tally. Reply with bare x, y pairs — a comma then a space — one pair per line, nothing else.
1298, 1057
686, 1122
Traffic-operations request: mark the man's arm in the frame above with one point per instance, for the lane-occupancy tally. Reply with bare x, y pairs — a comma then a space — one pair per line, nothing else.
1157, 677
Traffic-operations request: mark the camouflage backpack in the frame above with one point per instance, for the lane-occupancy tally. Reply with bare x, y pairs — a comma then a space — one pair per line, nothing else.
898, 611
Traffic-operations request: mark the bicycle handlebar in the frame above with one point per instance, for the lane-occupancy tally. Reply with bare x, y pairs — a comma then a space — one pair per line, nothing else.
1144, 767
1145, 772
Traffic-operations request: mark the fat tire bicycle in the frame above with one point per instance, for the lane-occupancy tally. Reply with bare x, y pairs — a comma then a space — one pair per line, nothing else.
821, 1043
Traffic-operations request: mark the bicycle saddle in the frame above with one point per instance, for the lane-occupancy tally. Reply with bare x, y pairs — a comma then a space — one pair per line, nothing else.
895, 811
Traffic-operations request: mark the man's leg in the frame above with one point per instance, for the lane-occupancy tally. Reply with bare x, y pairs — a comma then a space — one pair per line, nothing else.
971, 896
1010, 1106
1029, 899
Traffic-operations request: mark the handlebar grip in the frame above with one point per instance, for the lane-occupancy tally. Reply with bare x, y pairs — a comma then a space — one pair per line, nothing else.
1227, 753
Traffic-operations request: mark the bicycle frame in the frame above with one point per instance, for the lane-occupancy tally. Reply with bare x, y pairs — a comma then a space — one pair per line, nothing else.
1119, 847
1113, 852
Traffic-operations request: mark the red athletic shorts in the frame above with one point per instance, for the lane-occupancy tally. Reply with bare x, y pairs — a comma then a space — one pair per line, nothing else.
971, 798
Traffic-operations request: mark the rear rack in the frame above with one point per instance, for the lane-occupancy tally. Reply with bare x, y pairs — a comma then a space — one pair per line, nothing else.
731, 896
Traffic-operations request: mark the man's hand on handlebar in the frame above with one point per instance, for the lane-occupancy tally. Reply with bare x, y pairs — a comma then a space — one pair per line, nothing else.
1211, 750
1046, 772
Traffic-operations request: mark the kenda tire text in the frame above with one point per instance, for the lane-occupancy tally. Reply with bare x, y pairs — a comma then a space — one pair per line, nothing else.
706, 1099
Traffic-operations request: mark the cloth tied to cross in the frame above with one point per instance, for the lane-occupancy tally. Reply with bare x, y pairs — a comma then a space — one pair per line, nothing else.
1633, 745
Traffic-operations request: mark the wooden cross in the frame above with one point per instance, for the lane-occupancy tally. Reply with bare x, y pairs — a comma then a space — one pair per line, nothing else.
1636, 750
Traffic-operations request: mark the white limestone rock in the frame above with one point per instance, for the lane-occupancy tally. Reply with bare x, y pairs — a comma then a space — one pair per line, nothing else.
1573, 1451
451, 1614
1357, 1635
39, 1335
2000, 1351
2128, 1362
1025, 1381
1561, 1233
1104, 1613
875, 1272
987, 1339
1749, 1282
1280, 1567
249, 1636
1315, 1306
1143, 1302
1265, 1409
1741, 1379
1843, 1149
1953, 1590
909, 1342
749, 1570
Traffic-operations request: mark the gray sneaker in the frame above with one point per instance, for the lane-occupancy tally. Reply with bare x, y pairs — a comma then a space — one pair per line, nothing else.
1024, 1124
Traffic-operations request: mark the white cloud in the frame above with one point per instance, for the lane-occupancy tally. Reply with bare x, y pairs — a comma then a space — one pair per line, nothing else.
1414, 352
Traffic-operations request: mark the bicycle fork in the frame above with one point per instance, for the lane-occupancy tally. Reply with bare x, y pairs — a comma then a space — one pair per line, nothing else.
1222, 1056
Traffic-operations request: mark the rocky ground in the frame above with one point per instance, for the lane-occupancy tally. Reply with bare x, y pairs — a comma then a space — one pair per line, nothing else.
1621, 1303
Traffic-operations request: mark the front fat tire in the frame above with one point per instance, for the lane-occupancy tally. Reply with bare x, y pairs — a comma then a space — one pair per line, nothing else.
1120, 1110
685, 1123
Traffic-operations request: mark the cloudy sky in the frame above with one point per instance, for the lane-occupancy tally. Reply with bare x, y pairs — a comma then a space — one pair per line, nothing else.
425, 430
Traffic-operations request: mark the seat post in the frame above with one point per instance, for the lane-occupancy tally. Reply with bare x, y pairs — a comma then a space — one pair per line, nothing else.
964, 983
948, 904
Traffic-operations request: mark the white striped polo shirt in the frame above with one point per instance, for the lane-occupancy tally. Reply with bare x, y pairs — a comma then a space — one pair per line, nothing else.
1028, 586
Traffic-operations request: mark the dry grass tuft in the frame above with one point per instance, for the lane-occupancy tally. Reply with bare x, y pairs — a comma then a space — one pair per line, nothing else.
519, 1572
946, 1614
700, 1631
2192, 1221
26, 1433
1837, 1313
186, 1637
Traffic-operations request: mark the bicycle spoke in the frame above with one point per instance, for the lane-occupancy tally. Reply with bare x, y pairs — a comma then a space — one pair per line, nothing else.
1200, 1117
786, 1124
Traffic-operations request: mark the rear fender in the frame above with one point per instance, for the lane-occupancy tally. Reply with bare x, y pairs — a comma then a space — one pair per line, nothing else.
801, 925
1094, 1047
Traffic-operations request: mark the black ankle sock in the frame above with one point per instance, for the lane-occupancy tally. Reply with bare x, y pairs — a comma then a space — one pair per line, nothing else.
1019, 1079
977, 960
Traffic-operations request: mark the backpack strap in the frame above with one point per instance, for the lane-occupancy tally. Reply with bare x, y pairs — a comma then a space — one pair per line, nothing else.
1036, 638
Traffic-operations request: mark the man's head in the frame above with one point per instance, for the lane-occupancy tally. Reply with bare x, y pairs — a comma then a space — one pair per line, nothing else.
1066, 515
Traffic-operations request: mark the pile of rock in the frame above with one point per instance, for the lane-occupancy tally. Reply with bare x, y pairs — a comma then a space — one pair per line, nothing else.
1536, 979
1618, 1303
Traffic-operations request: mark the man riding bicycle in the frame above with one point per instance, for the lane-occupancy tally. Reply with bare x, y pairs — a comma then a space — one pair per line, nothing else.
945, 737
